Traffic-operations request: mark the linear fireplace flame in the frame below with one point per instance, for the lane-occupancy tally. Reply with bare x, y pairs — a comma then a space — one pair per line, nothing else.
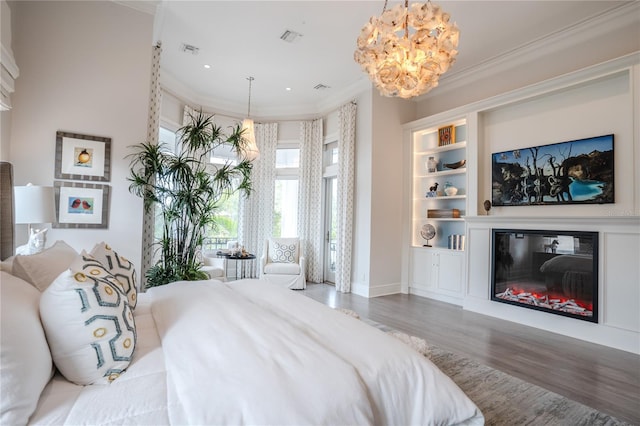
552, 271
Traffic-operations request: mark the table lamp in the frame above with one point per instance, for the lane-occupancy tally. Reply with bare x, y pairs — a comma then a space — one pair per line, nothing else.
34, 205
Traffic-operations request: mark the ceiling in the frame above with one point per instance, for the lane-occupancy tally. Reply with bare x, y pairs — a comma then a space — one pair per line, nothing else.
238, 39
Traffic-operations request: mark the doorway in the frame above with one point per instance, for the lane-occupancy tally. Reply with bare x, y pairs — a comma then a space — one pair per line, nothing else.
330, 229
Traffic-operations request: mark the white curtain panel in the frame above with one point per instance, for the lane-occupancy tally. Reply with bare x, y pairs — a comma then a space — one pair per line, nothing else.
256, 211
153, 129
310, 224
346, 165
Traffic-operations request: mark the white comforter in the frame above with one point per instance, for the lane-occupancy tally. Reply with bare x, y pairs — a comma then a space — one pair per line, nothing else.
247, 352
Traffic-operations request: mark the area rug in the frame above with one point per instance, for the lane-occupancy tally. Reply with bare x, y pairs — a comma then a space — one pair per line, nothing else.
507, 400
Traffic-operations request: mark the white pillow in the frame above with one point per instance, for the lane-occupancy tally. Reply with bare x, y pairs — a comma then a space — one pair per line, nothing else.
42, 268
88, 322
119, 267
25, 360
7, 265
284, 250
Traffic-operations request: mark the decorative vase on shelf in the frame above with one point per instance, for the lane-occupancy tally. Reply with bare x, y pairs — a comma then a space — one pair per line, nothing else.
449, 189
432, 165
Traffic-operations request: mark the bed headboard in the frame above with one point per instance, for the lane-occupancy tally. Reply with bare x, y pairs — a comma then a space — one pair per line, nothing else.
6, 210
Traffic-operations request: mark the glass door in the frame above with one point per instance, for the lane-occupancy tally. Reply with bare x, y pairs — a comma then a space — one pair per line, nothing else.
330, 229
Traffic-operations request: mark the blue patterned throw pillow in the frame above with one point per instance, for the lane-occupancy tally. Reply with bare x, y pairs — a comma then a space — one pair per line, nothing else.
283, 251
88, 322
119, 267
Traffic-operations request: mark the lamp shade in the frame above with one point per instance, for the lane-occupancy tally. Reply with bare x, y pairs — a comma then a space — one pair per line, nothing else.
250, 150
34, 204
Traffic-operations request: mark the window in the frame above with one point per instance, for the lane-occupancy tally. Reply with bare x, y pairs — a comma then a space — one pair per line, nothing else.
285, 214
227, 216
287, 158
285, 211
169, 138
223, 154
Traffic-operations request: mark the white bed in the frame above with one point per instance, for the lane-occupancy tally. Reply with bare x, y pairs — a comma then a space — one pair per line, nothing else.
248, 352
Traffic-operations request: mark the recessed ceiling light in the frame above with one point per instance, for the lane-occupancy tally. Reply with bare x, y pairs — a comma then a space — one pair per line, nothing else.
207, 66
288, 89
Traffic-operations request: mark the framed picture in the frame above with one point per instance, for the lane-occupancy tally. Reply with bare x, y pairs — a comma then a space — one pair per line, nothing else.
81, 205
573, 172
446, 135
82, 157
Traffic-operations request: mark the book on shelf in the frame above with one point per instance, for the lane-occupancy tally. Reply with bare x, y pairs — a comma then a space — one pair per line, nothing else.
443, 213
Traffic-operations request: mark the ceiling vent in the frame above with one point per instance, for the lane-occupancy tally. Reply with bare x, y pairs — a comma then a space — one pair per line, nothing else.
290, 36
189, 48
321, 87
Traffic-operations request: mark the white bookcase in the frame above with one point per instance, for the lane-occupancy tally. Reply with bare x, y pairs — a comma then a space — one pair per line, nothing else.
433, 268
424, 146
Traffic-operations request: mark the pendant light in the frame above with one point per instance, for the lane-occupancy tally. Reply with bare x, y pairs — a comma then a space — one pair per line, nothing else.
407, 48
250, 150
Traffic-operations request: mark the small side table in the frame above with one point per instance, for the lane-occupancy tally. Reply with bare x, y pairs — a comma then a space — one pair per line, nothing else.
244, 264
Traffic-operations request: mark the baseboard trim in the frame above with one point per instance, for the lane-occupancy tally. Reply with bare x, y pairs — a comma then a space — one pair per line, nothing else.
436, 296
365, 290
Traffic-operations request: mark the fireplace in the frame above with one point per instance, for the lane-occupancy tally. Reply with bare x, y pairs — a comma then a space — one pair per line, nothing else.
550, 271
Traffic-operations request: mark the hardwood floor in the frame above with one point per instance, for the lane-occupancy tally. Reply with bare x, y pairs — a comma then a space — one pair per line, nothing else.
600, 377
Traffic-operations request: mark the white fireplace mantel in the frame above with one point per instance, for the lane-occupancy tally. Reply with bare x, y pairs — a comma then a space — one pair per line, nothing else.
618, 277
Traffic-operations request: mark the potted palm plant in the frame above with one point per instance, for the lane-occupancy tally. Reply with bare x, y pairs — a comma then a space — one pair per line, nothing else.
185, 191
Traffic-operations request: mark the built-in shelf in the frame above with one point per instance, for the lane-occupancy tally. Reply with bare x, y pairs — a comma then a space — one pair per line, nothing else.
441, 173
442, 197
439, 149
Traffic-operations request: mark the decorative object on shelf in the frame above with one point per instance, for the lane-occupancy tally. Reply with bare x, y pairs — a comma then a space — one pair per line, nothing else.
427, 232
446, 135
573, 172
456, 242
449, 189
487, 206
82, 157
455, 165
250, 148
443, 213
433, 191
407, 49
432, 165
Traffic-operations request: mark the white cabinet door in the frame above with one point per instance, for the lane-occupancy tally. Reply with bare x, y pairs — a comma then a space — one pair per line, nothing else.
450, 266
420, 269
436, 272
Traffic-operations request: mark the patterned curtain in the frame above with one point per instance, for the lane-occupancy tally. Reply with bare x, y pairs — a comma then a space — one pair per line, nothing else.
310, 197
346, 151
153, 129
256, 211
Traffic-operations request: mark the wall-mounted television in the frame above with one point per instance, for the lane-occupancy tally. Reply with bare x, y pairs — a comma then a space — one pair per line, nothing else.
551, 271
573, 172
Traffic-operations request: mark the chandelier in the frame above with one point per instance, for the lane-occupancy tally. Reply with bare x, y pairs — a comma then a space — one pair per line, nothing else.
407, 49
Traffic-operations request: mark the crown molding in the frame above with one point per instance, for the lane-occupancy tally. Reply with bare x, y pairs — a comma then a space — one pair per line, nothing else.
269, 113
581, 32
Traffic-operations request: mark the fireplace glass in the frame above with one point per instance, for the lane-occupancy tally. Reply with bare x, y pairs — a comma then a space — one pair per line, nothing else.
551, 271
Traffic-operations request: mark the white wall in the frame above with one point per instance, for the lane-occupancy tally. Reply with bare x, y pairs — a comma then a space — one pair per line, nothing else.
605, 37
361, 255
595, 101
85, 68
386, 197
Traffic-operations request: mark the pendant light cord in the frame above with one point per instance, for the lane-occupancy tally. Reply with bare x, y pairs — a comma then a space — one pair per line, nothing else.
249, 106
